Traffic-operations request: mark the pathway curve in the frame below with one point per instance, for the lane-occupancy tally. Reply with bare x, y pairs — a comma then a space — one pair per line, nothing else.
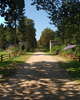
40, 78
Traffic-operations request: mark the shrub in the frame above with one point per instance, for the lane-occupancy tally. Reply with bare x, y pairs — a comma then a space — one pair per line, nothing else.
61, 48
1, 49
10, 48
15, 49
77, 50
44, 50
56, 49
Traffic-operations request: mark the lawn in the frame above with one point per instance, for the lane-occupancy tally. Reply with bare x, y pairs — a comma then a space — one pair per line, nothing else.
10, 66
1, 53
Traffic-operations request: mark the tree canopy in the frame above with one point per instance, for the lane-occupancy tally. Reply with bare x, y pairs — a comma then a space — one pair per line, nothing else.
65, 15
46, 36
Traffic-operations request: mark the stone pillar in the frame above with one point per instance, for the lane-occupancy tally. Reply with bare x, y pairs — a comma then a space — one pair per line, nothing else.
52, 43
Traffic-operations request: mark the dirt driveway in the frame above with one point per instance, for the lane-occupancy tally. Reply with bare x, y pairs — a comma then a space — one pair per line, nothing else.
40, 78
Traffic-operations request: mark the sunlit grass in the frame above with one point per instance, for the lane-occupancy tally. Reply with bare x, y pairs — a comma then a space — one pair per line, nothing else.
1, 53
10, 66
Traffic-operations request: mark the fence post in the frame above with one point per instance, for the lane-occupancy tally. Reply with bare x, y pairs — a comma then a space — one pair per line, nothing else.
1, 58
79, 58
21, 52
9, 55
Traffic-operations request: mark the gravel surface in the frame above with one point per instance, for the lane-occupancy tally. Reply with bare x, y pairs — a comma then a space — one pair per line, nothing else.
40, 78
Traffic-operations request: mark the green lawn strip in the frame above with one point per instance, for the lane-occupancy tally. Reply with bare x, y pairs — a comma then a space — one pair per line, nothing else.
71, 66
1, 53
10, 66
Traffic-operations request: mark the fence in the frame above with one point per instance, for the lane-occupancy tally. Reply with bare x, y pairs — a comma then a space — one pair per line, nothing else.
69, 56
10, 55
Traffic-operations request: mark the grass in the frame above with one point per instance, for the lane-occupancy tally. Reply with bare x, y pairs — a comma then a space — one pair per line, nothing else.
71, 66
10, 66
1, 53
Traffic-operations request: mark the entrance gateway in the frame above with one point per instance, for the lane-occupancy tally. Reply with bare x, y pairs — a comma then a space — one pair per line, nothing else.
23, 45
52, 43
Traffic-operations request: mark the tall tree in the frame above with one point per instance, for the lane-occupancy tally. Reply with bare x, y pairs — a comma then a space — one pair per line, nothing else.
17, 12
63, 13
31, 33
47, 35
4, 5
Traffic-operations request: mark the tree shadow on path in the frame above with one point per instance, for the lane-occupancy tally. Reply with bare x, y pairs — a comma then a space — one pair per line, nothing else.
40, 81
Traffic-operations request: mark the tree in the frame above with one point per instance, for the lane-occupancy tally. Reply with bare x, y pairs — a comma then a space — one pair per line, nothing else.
47, 35
16, 15
22, 29
4, 5
2, 31
30, 33
58, 9
65, 14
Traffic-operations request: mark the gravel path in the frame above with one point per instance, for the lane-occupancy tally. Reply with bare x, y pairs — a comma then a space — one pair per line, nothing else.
40, 78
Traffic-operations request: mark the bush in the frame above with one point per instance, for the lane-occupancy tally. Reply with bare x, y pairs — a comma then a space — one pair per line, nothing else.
1, 49
56, 49
15, 49
10, 48
45, 50
30, 49
77, 50
60, 49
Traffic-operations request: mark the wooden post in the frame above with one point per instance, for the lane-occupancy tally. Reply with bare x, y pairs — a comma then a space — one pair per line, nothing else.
79, 58
9, 55
21, 52
1, 58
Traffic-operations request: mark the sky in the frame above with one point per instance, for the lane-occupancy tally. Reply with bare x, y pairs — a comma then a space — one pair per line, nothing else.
39, 17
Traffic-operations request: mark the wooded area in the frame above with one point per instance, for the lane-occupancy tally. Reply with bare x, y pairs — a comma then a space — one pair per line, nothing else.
65, 15
17, 26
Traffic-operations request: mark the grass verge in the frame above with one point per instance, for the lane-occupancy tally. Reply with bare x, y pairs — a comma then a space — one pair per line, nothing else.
71, 66
1, 53
10, 66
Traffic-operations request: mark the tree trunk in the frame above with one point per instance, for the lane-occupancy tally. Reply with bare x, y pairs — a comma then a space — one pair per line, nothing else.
66, 41
15, 34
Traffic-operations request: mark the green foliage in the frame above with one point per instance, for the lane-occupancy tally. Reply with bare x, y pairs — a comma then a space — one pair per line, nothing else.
1, 49
77, 50
62, 47
56, 49
65, 15
13, 49
30, 33
29, 49
16, 14
44, 50
47, 35
16, 49
10, 48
